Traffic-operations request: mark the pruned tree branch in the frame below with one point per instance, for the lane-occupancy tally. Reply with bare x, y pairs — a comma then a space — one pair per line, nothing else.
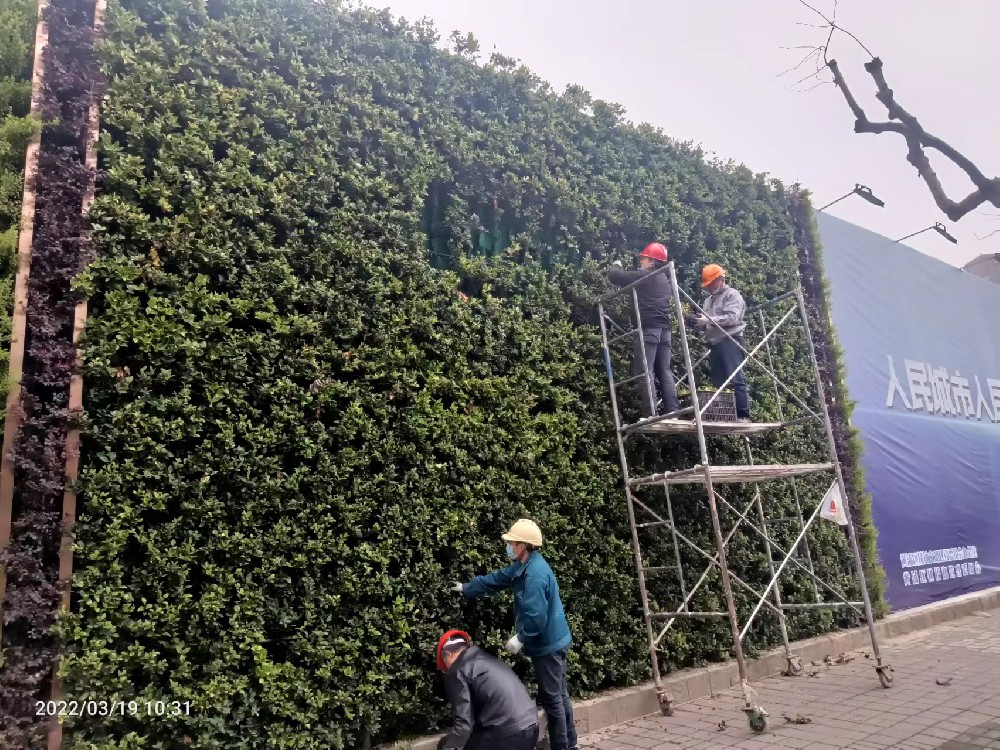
918, 140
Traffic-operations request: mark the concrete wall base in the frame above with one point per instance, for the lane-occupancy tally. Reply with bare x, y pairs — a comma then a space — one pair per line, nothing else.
618, 706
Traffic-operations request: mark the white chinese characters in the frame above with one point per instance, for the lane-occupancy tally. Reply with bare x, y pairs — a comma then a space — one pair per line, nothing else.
931, 570
935, 390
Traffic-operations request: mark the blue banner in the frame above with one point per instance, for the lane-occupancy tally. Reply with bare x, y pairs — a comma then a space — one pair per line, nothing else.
922, 351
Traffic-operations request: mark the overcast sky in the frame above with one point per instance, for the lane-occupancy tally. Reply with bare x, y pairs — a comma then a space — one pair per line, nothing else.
708, 71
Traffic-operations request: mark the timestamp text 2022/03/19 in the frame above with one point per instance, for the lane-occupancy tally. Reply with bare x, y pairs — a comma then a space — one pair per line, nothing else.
150, 708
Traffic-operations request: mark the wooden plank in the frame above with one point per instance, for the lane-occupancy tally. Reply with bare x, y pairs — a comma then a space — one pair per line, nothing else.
12, 423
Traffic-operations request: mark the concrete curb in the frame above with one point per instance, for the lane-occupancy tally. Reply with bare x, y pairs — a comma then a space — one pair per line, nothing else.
619, 706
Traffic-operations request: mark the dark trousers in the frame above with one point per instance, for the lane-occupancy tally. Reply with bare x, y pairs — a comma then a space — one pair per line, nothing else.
553, 697
724, 359
523, 740
656, 342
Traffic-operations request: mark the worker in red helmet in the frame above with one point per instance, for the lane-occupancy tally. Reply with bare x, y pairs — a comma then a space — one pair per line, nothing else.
655, 299
493, 710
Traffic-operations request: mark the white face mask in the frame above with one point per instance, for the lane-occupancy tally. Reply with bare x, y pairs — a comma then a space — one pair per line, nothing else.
510, 552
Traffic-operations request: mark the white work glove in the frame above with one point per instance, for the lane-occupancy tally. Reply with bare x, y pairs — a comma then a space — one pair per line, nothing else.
617, 263
514, 645
457, 587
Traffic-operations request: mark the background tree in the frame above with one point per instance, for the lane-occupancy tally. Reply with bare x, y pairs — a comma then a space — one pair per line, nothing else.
986, 190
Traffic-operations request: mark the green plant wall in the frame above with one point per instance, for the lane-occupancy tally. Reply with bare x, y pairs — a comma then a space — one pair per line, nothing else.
342, 333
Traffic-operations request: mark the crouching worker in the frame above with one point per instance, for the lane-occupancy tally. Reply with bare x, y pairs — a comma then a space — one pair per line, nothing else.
725, 310
540, 622
655, 299
493, 710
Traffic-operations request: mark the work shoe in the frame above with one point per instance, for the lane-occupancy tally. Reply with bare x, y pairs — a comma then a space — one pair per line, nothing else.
744, 420
661, 410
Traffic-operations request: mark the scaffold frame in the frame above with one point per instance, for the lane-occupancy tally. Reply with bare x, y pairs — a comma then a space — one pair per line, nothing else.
751, 518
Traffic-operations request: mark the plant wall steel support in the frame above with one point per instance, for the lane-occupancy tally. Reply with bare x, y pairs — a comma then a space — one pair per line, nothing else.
12, 422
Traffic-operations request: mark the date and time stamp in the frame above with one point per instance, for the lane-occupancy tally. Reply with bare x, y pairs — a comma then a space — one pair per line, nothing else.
135, 708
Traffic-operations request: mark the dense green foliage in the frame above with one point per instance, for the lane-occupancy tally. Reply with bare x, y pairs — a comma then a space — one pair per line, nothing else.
816, 290
17, 37
311, 400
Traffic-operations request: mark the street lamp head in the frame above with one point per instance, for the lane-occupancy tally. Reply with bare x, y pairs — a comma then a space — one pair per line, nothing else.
866, 192
937, 227
943, 231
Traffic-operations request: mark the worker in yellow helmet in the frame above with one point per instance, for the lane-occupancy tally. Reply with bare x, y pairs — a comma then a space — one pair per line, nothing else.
542, 631
724, 318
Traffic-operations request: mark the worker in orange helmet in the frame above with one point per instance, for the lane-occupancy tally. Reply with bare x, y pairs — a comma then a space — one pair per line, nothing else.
493, 710
724, 318
655, 298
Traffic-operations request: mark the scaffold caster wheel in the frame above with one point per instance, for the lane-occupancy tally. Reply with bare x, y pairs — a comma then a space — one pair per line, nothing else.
666, 705
795, 666
885, 677
758, 720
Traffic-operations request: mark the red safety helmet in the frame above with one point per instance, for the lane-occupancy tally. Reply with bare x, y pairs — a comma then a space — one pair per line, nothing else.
656, 251
447, 637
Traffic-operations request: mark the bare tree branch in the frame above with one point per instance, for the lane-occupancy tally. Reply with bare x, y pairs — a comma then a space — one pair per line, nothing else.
817, 85
903, 123
813, 52
831, 23
806, 78
917, 139
814, 55
991, 217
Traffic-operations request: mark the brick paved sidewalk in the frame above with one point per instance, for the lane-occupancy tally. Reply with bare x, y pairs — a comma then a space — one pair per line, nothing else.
847, 706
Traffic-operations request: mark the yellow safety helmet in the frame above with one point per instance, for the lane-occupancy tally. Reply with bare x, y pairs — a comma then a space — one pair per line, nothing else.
525, 531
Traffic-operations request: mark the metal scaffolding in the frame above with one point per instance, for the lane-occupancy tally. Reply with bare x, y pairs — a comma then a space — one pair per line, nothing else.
691, 421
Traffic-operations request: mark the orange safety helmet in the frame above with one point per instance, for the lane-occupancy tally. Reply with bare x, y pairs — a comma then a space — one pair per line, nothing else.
656, 251
710, 273
447, 637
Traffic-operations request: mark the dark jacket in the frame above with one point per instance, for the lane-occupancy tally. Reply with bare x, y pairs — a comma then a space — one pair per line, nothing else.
538, 611
487, 697
655, 295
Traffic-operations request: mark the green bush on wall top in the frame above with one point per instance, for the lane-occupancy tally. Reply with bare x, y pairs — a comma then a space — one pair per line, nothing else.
341, 334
